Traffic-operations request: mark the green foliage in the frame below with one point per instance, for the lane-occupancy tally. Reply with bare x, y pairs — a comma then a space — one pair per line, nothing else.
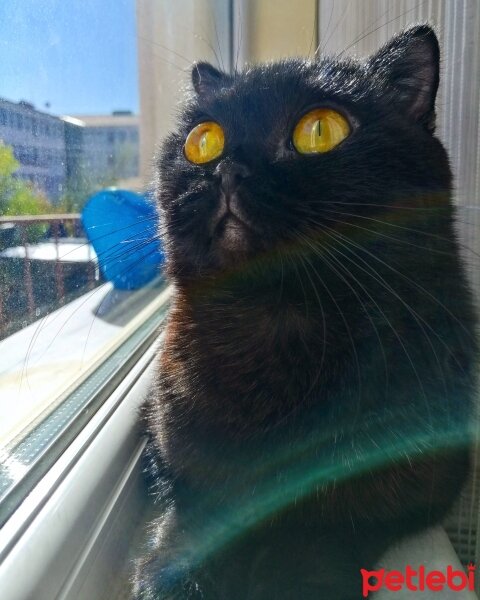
24, 201
17, 197
8, 163
8, 166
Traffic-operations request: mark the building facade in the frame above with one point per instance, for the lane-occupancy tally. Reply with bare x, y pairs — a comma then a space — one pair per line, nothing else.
60, 154
38, 142
104, 147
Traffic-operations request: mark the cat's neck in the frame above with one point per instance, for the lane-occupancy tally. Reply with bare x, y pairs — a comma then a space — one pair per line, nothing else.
275, 318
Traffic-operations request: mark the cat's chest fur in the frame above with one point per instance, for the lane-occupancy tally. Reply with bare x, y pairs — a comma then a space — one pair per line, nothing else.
239, 354
244, 381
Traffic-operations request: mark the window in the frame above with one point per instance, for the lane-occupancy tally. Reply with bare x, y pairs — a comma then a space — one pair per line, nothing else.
69, 329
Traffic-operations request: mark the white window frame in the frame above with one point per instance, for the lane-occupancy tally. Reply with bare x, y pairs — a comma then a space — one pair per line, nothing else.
62, 541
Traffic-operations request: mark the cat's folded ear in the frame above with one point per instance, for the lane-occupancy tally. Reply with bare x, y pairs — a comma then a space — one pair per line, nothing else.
206, 79
409, 66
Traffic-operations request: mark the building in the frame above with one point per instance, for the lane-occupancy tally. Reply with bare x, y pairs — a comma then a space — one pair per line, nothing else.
38, 141
103, 147
77, 154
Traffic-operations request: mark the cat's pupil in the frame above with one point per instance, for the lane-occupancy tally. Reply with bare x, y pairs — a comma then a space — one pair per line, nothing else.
316, 132
203, 144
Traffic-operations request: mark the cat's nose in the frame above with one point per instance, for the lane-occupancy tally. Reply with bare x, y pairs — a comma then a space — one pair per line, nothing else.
231, 174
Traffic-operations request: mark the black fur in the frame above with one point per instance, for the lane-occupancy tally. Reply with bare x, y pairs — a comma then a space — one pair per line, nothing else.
313, 393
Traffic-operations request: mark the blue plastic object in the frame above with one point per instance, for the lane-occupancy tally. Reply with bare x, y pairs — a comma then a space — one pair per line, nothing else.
122, 228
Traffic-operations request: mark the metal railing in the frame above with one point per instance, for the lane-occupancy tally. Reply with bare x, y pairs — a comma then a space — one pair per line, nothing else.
19, 302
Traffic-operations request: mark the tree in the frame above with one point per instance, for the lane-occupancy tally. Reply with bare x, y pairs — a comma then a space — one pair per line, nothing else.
17, 197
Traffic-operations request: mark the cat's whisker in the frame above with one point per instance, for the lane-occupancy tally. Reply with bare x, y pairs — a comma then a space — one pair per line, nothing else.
299, 278
315, 54
38, 329
420, 322
324, 321
366, 34
106, 235
397, 272
210, 46
344, 241
119, 253
100, 304
377, 277
171, 63
218, 57
382, 234
59, 314
328, 262
395, 206
398, 240
345, 321
87, 297
314, 35
240, 38
189, 61
338, 23
435, 236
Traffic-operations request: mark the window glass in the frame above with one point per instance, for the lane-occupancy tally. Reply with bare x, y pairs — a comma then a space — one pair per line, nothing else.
74, 288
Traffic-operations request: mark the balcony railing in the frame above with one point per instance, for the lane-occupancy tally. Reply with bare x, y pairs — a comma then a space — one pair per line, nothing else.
45, 260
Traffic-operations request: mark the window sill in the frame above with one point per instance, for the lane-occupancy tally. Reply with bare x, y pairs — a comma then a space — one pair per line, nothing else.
43, 363
72, 532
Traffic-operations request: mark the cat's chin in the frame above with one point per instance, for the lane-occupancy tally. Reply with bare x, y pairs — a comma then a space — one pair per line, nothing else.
232, 240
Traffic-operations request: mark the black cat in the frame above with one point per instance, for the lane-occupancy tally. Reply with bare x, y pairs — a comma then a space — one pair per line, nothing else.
313, 393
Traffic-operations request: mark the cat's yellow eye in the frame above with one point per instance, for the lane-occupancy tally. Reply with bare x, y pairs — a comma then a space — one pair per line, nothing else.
320, 130
204, 143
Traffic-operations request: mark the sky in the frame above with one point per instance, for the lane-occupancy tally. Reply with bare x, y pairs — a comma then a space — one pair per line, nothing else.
78, 55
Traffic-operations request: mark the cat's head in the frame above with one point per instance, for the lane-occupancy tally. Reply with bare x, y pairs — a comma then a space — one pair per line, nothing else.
267, 155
